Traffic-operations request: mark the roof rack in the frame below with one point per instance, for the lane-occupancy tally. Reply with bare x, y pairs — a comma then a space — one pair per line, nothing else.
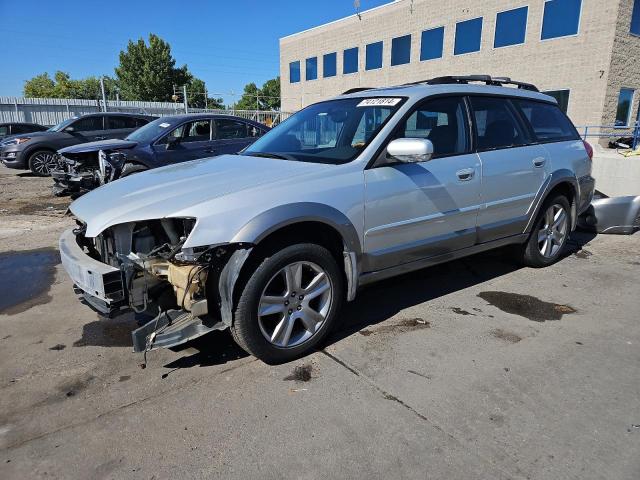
487, 79
356, 90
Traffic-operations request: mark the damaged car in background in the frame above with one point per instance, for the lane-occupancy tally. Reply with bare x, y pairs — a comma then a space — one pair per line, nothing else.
165, 141
269, 243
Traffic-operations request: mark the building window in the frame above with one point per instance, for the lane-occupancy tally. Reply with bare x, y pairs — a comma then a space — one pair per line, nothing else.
329, 65
294, 72
625, 102
432, 44
511, 27
635, 18
311, 71
561, 18
561, 96
401, 50
468, 36
350, 60
373, 56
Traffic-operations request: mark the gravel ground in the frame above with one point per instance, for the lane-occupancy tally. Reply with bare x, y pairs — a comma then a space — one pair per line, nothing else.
473, 369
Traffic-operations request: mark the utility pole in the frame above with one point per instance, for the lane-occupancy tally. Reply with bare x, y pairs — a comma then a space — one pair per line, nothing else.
206, 106
184, 92
104, 96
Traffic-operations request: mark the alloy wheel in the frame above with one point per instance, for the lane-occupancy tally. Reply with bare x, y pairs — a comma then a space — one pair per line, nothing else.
42, 162
295, 303
553, 231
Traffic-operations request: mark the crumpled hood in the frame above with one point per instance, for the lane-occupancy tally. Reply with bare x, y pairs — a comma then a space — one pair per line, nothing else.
112, 144
183, 190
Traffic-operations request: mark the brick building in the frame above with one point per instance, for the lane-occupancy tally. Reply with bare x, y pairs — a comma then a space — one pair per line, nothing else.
586, 53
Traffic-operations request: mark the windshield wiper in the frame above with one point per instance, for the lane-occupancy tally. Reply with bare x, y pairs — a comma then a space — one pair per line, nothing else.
266, 155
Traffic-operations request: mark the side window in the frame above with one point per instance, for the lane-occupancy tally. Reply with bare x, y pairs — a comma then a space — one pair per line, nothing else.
4, 130
199, 131
443, 121
496, 123
548, 123
116, 122
88, 124
141, 122
253, 131
229, 129
15, 129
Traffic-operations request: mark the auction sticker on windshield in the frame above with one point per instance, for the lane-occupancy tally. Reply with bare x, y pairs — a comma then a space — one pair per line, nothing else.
164, 125
379, 102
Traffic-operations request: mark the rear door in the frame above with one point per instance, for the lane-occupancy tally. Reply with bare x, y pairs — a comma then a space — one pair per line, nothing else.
194, 141
513, 168
421, 210
119, 126
232, 135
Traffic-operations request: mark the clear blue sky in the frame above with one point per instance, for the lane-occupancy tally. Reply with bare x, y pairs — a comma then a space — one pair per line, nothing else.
227, 43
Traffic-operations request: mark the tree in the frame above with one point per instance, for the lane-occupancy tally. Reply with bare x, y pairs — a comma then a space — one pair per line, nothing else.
63, 86
265, 98
196, 94
149, 72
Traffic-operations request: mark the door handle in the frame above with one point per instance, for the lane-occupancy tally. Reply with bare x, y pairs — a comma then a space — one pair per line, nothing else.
99, 138
210, 150
465, 174
539, 162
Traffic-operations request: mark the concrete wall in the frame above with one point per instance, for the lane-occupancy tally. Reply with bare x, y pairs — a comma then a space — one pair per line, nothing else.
581, 63
615, 175
624, 69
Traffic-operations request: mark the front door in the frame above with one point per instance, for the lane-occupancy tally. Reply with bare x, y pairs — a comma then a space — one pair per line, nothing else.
420, 210
513, 170
189, 141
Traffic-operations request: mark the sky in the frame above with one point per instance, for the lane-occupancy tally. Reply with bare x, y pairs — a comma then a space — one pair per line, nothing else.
226, 43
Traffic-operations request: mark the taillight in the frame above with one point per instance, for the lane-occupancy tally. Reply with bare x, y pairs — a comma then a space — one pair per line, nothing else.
589, 149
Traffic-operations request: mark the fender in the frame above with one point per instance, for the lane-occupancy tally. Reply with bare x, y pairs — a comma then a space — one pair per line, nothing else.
553, 180
281, 216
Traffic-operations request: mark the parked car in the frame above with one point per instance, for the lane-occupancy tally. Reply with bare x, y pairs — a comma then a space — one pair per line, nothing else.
36, 151
162, 142
369, 185
16, 128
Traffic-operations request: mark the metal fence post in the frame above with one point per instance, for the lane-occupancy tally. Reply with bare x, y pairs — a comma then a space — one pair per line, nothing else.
636, 136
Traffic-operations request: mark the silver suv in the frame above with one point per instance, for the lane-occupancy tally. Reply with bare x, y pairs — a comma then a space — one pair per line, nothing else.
366, 186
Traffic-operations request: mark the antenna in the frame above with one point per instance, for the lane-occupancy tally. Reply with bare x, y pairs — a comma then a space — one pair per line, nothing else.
356, 5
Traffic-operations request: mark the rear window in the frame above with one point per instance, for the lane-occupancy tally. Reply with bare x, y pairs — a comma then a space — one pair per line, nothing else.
496, 123
88, 124
547, 121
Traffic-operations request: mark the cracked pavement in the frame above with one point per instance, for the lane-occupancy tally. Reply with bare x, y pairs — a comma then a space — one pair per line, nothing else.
473, 369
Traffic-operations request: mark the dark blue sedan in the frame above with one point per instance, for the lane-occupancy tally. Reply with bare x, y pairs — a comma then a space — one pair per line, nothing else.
162, 142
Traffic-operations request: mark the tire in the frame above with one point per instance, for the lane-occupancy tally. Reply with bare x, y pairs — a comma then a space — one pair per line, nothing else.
547, 240
41, 162
131, 168
269, 287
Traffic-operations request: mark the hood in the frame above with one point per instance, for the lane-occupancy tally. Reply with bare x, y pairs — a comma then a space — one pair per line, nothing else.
38, 135
113, 144
184, 190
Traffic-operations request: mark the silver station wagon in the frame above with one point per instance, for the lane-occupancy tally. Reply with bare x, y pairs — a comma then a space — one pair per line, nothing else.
374, 183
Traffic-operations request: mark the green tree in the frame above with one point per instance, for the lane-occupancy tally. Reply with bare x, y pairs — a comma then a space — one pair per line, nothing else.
63, 86
148, 72
40, 86
265, 98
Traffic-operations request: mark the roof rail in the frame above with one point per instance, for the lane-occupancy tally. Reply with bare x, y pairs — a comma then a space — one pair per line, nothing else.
356, 90
487, 79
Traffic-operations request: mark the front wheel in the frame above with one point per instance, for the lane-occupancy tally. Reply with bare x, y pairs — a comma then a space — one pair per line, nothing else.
289, 303
42, 162
550, 233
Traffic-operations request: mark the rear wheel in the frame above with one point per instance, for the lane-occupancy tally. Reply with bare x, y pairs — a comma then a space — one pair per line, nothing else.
41, 162
550, 233
289, 303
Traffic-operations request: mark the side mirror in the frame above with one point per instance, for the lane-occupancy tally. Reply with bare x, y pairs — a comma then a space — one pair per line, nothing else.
410, 150
172, 142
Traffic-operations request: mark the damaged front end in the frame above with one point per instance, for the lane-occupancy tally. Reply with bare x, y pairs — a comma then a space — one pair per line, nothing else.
143, 267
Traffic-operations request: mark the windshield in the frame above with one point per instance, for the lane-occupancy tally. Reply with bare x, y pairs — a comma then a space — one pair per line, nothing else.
333, 132
150, 131
63, 124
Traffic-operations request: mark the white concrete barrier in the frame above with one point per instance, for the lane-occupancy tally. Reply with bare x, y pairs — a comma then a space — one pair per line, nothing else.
615, 175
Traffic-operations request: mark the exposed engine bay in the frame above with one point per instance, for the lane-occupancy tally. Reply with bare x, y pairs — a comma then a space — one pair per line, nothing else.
186, 292
79, 172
